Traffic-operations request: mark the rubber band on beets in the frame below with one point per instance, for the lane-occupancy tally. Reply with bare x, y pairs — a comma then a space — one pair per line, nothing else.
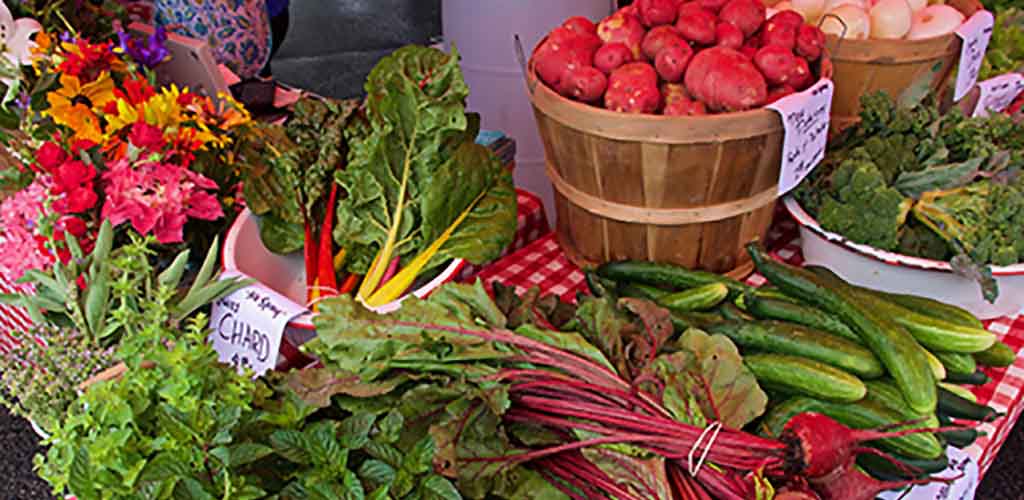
714, 428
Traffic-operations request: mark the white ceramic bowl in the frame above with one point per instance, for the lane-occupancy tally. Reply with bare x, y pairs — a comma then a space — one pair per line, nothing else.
897, 273
286, 274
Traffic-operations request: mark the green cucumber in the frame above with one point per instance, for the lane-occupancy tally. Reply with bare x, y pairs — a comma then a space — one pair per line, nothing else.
978, 377
641, 291
733, 313
787, 338
598, 286
766, 307
700, 298
956, 363
957, 438
938, 371
885, 393
999, 354
863, 414
805, 376
934, 308
930, 332
884, 470
667, 275
902, 357
962, 392
771, 292
958, 407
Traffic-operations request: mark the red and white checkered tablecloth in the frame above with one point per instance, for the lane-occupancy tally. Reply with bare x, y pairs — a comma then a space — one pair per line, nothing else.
532, 224
14, 321
544, 264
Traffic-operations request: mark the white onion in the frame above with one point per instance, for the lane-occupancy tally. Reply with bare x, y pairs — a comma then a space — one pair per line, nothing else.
933, 21
890, 19
858, 23
810, 9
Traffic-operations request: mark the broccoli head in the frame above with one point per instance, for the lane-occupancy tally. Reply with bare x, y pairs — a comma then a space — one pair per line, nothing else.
985, 221
862, 207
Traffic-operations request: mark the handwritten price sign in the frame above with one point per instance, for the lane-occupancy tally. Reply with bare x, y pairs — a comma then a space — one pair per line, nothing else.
998, 93
805, 117
975, 32
248, 325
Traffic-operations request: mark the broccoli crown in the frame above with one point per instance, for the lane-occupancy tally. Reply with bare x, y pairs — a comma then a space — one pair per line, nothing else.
985, 220
862, 207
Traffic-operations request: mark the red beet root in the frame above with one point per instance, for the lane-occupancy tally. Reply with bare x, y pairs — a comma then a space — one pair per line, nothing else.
581, 25
747, 15
671, 62
696, 24
781, 30
728, 35
810, 42
659, 38
612, 55
657, 12
847, 482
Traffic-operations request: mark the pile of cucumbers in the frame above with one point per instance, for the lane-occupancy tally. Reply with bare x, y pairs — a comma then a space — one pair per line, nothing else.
866, 358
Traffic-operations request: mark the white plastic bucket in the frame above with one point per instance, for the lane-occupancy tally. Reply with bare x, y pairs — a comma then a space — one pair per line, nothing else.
483, 31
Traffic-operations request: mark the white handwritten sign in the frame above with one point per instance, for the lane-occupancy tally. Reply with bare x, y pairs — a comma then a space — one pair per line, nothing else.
961, 466
975, 33
805, 117
998, 93
248, 325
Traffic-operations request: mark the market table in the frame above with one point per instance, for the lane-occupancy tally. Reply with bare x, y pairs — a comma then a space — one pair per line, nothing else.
543, 264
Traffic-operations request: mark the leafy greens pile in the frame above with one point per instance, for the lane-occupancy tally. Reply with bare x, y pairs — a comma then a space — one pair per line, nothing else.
452, 386
1005, 52
910, 181
415, 176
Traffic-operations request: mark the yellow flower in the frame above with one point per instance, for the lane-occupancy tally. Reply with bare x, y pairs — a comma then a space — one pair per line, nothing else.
75, 105
125, 117
162, 110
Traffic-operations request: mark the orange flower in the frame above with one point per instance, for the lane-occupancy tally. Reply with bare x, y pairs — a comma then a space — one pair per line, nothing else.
74, 105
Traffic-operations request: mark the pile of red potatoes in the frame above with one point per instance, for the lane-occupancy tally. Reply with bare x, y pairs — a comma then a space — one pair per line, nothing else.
682, 58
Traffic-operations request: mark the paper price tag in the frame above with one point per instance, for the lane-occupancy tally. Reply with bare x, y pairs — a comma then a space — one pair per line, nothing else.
248, 325
998, 93
805, 117
975, 32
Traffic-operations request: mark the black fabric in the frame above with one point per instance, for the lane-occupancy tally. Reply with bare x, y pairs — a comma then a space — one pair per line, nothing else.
333, 44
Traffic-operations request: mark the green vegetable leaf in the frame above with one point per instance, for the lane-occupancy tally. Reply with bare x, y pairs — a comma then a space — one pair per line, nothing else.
247, 453
733, 390
279, 236
420, 458
434, 487
948, 176
644, 477
376, 473
569, 341
292, 445
80, 475
354, 431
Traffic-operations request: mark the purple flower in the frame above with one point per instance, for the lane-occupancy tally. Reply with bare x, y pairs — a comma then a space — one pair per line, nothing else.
149, 52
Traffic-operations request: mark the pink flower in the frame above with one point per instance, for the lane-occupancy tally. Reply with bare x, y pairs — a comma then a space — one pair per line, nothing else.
19, 231
158, 198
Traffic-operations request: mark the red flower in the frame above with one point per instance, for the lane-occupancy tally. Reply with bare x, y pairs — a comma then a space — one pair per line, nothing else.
73, 225
87, 60
74, 179
50, 156
136, 91
82, 145
146, 136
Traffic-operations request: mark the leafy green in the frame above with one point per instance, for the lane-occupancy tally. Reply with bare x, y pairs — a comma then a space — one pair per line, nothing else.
902, 160
413, 168
1005, 52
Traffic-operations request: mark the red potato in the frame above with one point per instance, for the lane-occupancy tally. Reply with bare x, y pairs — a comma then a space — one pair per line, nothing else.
749, 51
747, 15
800, 76
629, 10
728, 35
611, 56
643, 99
671, 62
564, 50
781, 29
622, 28
725, 80
659, 38
776, 63
685, 108
584, 83
673, 92
632, 76
696, 24
810, 42
657, 12
776, 93
580, 24
712, 5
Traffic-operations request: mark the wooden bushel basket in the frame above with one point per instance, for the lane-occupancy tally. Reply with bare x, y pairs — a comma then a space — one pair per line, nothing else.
895, 66
685, 190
